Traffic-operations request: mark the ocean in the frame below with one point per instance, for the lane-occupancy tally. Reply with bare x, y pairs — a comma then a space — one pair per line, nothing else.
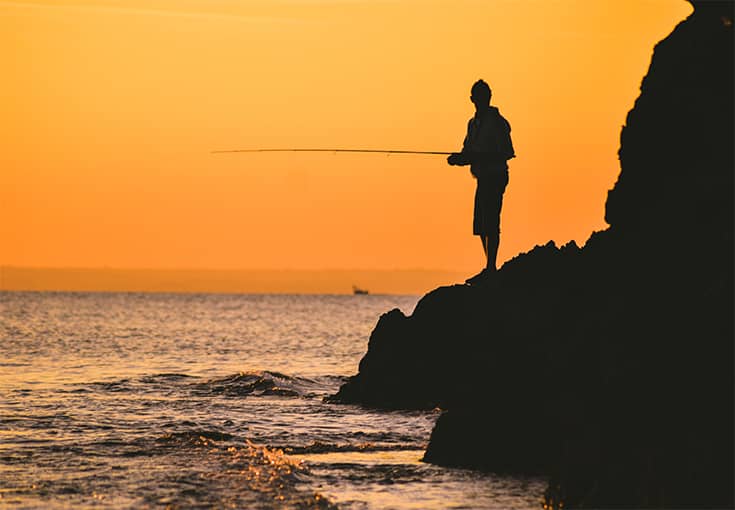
132, 400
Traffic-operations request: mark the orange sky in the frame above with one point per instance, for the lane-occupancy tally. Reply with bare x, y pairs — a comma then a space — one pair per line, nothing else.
111, 107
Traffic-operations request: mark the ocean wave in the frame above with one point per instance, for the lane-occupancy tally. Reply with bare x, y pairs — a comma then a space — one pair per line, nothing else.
253, 383
166, 376
323, 447
112, 386
265, 383
194, 437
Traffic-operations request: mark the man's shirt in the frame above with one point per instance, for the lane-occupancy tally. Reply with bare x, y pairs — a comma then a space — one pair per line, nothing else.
488, 134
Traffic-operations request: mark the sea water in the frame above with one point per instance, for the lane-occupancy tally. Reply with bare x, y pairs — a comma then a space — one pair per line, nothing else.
124, 400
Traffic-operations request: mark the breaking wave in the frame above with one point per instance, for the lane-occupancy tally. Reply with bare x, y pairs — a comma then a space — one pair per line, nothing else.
263, 383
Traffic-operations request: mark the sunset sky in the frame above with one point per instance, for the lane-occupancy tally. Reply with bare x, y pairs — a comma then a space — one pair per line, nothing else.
110, 110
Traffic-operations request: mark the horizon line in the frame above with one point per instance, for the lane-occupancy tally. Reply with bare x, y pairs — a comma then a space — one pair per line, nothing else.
242, 269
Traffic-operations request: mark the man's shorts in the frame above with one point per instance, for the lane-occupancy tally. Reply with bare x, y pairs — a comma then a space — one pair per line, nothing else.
488, 202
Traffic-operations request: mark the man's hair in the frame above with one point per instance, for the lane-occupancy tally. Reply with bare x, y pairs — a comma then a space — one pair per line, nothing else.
481, 90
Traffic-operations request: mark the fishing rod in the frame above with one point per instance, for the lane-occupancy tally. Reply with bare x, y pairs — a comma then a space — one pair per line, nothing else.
375, 151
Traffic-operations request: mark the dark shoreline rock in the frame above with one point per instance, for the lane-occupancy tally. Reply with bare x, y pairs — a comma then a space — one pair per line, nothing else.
608, 368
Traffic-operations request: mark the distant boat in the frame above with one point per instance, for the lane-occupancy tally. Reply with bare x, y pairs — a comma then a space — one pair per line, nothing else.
358, 291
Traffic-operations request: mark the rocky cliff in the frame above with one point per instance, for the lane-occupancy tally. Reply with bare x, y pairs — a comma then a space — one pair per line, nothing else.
610, 367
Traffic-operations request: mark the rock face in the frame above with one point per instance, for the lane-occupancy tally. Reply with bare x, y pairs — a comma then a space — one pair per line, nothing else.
608, 368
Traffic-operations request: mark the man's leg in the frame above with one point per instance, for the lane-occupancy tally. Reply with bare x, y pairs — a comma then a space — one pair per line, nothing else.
490, 245
479, 276
490, 248
494, 206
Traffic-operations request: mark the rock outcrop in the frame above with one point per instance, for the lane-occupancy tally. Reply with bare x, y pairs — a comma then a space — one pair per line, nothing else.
610, 367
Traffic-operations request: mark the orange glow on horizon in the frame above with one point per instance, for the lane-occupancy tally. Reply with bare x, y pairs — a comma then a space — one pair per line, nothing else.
111, 109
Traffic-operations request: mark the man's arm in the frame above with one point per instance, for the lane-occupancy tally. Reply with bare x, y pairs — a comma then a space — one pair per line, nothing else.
462, 158
470, 158
459, 159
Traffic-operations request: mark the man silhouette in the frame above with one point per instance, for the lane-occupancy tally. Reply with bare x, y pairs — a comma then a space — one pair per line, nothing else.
487, 149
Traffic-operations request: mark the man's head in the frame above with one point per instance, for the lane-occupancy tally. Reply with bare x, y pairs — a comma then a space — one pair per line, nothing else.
480, 94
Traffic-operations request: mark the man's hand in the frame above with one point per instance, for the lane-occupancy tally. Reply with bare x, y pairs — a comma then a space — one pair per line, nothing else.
457, 159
